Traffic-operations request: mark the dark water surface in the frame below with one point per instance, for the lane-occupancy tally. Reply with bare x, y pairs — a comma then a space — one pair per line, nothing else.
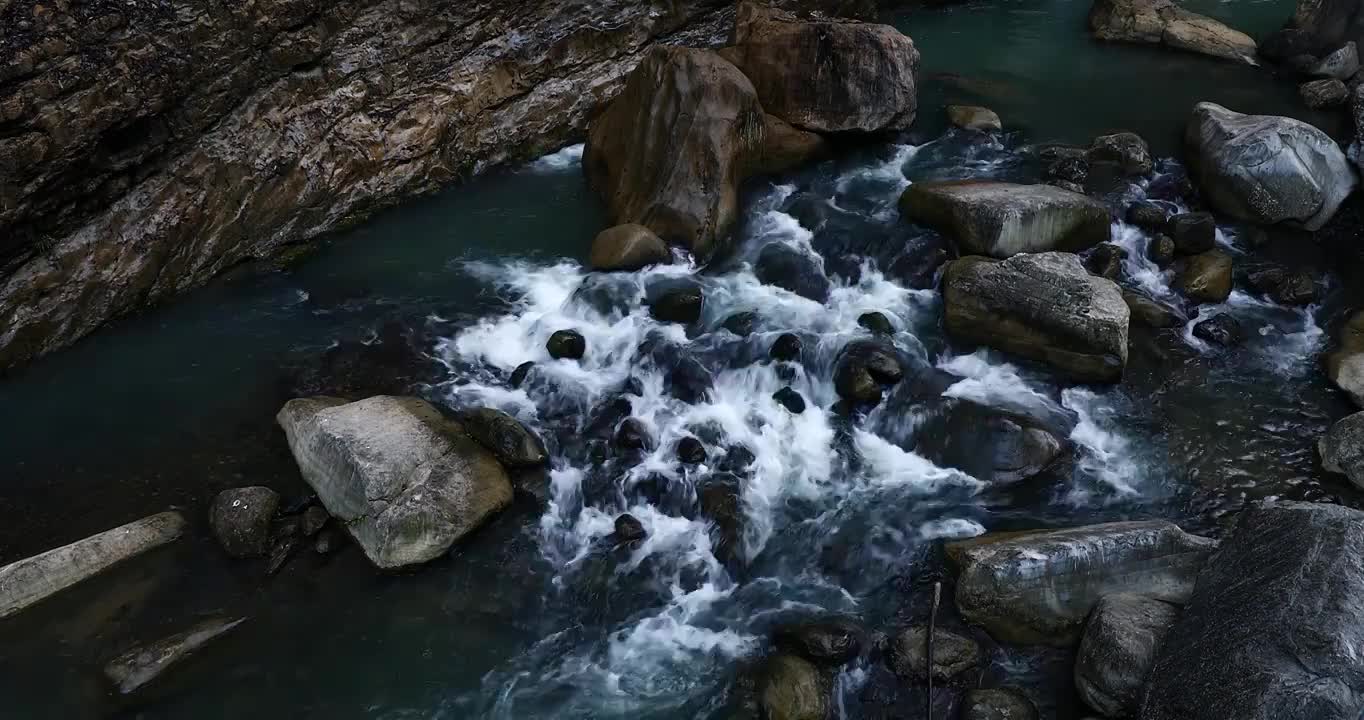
530, 618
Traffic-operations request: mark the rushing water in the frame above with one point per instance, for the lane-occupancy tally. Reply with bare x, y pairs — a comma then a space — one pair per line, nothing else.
536, 616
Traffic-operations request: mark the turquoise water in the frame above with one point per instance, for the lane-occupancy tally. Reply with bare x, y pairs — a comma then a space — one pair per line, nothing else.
168, 408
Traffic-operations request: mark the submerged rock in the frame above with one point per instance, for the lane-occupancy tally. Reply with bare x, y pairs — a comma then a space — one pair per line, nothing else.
785, 267
1118, 649
794, 689
566, 345
741, 324
633, 435
137, 667
972, 117
240, 519
1001, 219
1272, 629
689, 380
1125, 149
1044, 307
519, 374
863, 367
404, 480
1038, 587
1206, 277
830, 642
1163, 22
626, 248
515, 445
1342, 448
853, 76
629, 529
28, 581
1221, 329
786, 348
721, 504
690, 451
1267, 169
1193, 233
997, 704
953, 654
1345, 364
1324, 94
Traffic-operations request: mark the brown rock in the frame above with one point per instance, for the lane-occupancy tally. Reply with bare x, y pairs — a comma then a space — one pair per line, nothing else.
1206, 277
971, 117
627, 247
1165, 23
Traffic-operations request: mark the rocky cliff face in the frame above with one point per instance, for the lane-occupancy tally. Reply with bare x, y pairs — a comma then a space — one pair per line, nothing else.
146, 145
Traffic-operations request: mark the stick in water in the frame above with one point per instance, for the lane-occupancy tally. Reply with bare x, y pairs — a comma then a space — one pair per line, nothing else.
932, 622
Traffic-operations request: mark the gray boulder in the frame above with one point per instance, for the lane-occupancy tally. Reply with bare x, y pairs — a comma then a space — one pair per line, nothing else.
991, 445
1044, 307
1324, 94
1038, 587
997, 704
794, 689
240, 519
1341, 64
1345, 364
139, 666
1117, 650
627, 247
1003, 219
1267, 169
1162, 22
404, 480
972, 117
515, 445
1273, 629
953, 654
1342, 448
1125, 149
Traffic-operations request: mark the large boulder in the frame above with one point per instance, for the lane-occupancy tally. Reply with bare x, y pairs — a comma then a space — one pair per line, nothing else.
1317, 28
1267, 169
1272, 630
1342, 448
827, 75
1044, 307
1127, 150
1117, 650
670, 151
1345, 364
794, 689
627, 247
404, 480
1003, 219
1163, 22
240, 519
1038, 587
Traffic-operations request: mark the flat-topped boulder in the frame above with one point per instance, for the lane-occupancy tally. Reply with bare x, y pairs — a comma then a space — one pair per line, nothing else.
1162, 22
827, 75
1003, 219
1267, 169
1038, 587
1044, 307
404, 480
1272, 630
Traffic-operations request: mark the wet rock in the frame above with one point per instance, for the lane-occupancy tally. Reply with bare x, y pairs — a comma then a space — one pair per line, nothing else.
1284, 286
1002, 219
794, 689
28, 581
877, 323
1067, 186
1105, 260
1038, 587
741, 324
675, 301
404, 480
1150, 313
972, 117
1324, 94
515, 445
873, 90
566, 345
1127, 150
629, 529
611, 295
1117, 650
1147, 216
677, 174
863, 368
1342, 448
1161, 250
788, 398
327, 542
991, 445
1272, 629
997, 704
286, 537
1345, 364
627, 248
1193, 233
691, 451
240, 519
1163, 22
1221, 329
786, 348
689, 380
313, 520
520, 374
633, 435
606, 417
785, 267
1266, 169
139, 666
786, 147
1071, 169
1206, 277
720, 503
1044, 307
953, 654
831, 643
1340, 65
